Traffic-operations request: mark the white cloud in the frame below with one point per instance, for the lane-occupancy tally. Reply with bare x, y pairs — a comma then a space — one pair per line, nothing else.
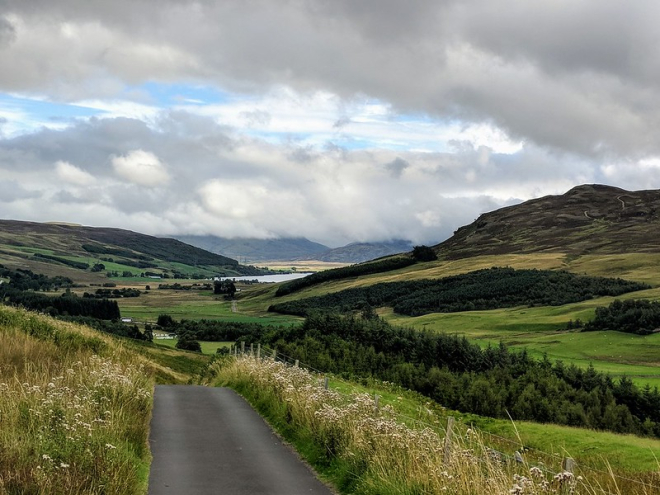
337, 120
142, 168
73, 175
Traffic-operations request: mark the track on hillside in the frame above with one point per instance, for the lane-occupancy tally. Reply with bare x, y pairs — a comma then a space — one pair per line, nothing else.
207, 440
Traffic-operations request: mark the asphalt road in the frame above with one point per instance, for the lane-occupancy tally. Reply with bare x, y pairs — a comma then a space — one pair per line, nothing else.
207, 440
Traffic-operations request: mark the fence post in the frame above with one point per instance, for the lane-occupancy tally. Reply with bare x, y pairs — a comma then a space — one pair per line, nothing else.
242, 347
448, 435
297, 363
568, 464
376, 401
326, 384
274, 354
259, 350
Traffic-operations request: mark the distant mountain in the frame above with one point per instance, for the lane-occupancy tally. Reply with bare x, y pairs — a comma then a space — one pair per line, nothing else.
360, 252
255, 250
67, 249
588, 219
295, 249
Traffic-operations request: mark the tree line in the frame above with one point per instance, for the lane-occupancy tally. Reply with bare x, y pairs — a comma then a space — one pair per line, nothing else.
68, 304
487, 289
212, 330
632, 316
21, 279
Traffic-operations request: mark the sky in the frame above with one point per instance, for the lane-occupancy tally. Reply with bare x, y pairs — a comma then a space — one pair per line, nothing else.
336, 120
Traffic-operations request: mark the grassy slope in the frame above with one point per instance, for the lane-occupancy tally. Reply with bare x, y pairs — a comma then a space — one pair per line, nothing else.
76, 405
19, 241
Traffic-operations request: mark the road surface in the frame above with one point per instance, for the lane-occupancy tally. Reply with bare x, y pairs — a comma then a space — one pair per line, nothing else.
207, 440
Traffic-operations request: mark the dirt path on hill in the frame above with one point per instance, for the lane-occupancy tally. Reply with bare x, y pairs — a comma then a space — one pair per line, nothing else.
207, 440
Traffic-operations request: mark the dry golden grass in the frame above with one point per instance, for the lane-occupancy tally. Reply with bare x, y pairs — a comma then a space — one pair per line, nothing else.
74, 410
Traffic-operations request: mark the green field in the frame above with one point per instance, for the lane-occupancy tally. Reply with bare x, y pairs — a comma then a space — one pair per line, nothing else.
542, 330
194, 305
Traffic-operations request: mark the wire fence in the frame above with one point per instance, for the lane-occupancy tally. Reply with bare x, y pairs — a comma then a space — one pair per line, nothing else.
501, 449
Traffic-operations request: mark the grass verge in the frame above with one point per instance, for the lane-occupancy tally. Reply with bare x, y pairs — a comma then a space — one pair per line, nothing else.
364, 450
74, 409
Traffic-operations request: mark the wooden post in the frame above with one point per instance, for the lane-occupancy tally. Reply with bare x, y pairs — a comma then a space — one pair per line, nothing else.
297, 363
568, 464
242, 347
448, 435
326, 384
376, 401
259, 351
274, 354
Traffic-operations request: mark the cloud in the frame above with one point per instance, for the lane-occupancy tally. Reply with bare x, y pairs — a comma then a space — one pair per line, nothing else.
332, 119
7, 32
397, 166
73, 175
554, 76
243, 186
11, 191
142, 168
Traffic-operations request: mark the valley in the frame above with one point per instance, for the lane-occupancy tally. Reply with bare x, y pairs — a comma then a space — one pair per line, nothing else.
545, 340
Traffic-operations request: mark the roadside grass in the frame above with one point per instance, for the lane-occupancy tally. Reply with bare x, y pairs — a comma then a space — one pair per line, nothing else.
75, 409
626, 454
399, 447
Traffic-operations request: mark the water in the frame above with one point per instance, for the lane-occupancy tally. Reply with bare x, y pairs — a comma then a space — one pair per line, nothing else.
265, 279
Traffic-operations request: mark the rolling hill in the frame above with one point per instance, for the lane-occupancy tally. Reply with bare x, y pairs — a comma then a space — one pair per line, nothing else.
256, 250
90, 253
588, 219
359, 252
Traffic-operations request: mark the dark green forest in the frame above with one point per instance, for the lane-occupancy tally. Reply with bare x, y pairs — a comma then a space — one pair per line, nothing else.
68, 304
24, 288
632, 316
20, 279
479, 290
213, 330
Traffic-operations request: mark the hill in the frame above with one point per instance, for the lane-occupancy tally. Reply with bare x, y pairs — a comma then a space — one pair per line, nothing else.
256, 250
359, 252
295, 249
89, 253
588, 219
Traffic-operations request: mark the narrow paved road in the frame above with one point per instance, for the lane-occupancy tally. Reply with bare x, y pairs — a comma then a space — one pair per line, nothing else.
208, 440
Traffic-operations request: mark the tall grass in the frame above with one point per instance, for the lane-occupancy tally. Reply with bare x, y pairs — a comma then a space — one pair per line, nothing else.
74, 410
367, 450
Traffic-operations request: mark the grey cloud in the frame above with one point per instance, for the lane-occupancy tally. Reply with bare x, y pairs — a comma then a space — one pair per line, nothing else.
341, 123
256, 118
68, 197
577, 77
397, 166
11, 191
7, 32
